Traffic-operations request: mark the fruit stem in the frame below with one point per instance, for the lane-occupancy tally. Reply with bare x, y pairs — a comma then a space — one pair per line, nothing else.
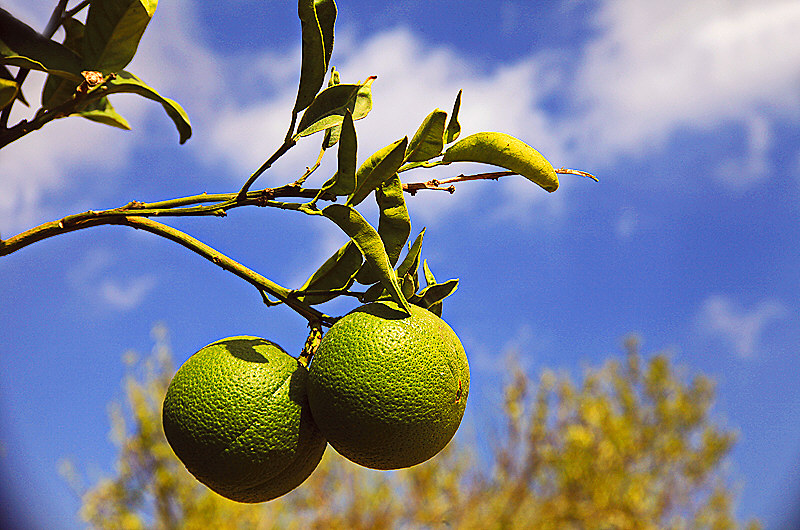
312, 343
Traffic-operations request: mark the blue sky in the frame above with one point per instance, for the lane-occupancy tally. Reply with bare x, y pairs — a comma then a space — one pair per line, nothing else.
688, 111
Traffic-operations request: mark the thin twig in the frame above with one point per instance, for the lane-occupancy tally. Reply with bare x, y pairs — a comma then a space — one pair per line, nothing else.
288, 144
222, 202
436, 184
566, 171
180, 207
309, 170
440, 184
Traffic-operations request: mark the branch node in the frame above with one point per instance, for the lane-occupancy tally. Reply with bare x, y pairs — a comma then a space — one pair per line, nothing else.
133, 205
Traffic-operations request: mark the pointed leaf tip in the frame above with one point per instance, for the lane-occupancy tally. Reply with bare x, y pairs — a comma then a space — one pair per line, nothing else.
377, 169
453, 127
317, 20
127, 82
428, 141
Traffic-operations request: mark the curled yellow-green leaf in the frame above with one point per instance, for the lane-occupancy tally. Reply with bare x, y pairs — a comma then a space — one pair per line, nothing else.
503, 150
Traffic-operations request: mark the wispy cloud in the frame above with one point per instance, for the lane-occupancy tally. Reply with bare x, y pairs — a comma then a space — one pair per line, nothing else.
746, 169
524, 348
35, 170
127, 294
93, 278
741, 328
627, 223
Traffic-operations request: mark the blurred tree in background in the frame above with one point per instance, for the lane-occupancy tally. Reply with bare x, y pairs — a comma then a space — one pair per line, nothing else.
632, 445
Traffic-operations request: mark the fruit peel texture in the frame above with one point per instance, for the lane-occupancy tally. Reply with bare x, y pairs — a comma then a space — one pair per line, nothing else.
387, 390
237, 416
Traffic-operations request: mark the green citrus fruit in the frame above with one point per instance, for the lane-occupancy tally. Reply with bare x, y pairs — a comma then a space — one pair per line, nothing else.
236, 414
386, 389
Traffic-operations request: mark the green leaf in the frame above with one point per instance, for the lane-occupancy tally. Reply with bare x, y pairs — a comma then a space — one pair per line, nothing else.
8, 92
408, 284
394, 225
326, 14
127, 82
430, 279
503, 150
329, 107
375, 292
453, 127
408, 269
377, 169
21, 45
343, 182
410, 262
433, 294
317, 20
347, 158
364, 99
113, 31
335, 78
428, 141
57, 89
369, 243
333, 134
338, 272
101, 111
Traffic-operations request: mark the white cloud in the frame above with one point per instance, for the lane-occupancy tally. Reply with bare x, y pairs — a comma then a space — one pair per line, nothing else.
653, 68
93, 280
658, 66
739, 173
627, 223
740, 328
128, 294
524, 349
